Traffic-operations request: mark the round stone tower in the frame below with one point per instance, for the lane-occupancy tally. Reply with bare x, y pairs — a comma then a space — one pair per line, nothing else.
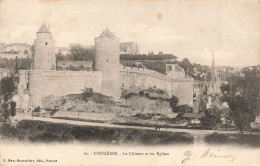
107, 53
107, 61
44, 55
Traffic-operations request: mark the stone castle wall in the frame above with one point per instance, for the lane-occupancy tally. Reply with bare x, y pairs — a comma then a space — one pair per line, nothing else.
143, 78
108, 78
60, 83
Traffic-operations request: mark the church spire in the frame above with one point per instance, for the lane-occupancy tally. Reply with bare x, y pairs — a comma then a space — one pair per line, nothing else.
213, 68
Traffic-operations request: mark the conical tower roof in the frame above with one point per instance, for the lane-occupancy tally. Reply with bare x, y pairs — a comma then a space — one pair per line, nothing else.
43, 29
107, 33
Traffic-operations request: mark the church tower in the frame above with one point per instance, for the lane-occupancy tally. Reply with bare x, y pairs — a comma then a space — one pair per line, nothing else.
44, 51
107, 61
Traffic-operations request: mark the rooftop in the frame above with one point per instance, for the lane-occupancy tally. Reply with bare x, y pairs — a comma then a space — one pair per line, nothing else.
43, 29
107, 33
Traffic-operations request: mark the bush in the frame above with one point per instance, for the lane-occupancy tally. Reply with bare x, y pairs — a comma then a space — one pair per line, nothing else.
37, 109
216, 138
37, 131
7, 131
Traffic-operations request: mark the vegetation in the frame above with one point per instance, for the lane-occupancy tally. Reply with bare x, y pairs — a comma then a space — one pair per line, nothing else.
211, 119
11, 52
216, 138
37, 109
78, 53
196, 71
14, 65
37, 131
147, 57
7, 90
89, 95
242, 95
173, 103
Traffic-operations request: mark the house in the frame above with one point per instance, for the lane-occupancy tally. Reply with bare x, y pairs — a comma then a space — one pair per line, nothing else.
193, 118
192, 115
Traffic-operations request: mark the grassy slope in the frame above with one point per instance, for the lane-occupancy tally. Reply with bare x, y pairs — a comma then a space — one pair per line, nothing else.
37, 131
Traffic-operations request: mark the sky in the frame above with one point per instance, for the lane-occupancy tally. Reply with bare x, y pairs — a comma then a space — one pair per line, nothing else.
186, 28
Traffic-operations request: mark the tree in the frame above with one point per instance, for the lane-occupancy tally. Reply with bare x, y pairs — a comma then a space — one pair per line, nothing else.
186, 65
12, 108
87, 93
242, 95
128, 96
80, 53
16, 65
5, 113
7, 90
37, 109
211, 118
32, 50
173, 103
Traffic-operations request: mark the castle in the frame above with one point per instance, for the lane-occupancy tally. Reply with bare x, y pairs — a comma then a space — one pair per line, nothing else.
109, 77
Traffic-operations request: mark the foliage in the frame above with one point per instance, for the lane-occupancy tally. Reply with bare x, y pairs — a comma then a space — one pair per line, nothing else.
7, 131
242, 95
211, 118
216, 138
147, 57
184, 108
186, 65
87, 93
39, 131
78, 53
194, 70
127, 95
173, 103
5, 112
11, 52
7, 88
12, 108
16, 65
10, 64
37, 109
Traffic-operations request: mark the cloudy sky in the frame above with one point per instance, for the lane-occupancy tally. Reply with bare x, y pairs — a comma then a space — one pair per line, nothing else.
185, 28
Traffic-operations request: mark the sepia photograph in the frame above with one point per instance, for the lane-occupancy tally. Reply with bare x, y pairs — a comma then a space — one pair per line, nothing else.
129, 82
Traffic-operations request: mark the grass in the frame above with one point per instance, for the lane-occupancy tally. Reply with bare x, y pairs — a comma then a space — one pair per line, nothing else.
38, 131
233, 139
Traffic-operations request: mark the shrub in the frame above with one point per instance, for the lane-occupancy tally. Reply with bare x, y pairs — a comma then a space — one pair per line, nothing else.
7, 131
37, 131
37, 109
216, 138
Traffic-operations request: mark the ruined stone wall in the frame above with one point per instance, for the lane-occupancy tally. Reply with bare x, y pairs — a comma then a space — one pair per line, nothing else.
60, 83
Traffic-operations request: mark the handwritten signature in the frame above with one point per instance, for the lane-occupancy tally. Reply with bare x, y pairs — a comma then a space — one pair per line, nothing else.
208, 154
